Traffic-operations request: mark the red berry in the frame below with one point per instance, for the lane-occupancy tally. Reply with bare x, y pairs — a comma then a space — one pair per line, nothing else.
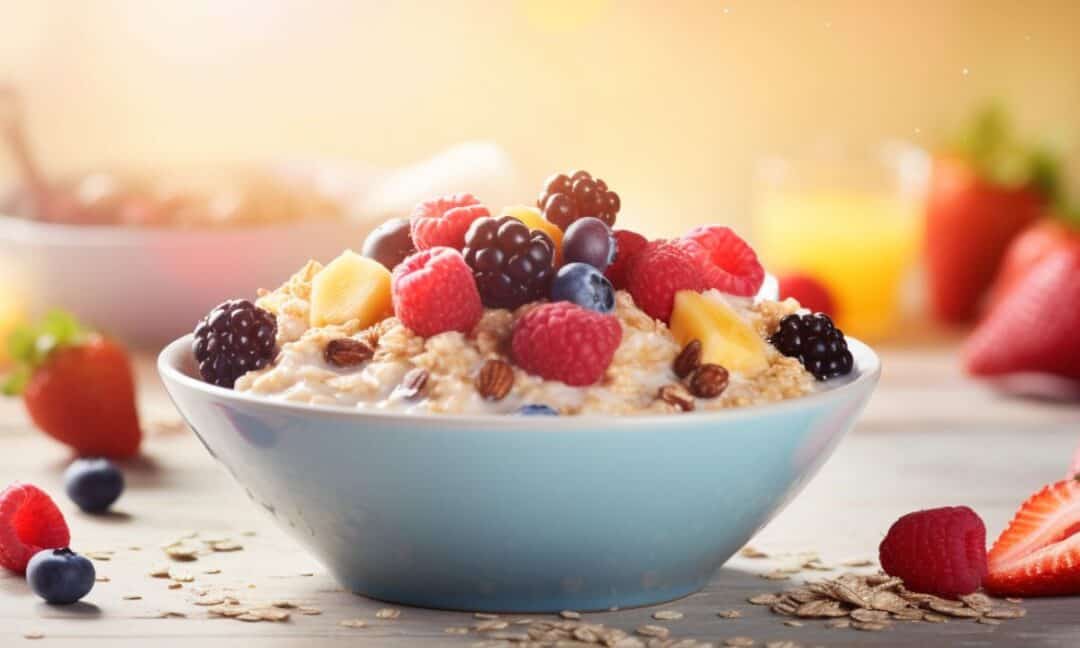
658, 271
444, 221
727, 262
939, 551
29, 522
434, 292
563, 341
627, 244
809, 292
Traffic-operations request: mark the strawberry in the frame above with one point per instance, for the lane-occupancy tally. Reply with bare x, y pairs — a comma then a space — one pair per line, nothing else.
1032, 329
983, 192
1032, 245
1038, 554
77, 386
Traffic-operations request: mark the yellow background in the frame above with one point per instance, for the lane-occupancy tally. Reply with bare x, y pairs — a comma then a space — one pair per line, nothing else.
670, 101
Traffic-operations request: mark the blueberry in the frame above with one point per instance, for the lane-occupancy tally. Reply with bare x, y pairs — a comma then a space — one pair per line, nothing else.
93, 484
589, 240
585, 286
537, 410
60, 576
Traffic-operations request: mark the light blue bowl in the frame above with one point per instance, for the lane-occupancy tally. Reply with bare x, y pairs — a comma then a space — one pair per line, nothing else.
527, 514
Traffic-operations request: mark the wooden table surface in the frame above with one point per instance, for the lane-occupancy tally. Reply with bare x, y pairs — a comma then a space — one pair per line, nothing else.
929, 438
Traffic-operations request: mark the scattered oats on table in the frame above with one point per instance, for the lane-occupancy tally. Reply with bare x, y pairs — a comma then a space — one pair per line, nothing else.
729, 614
131, 597
739, 642
570, 614
751, 552
33, 634
353, 623
485, 615
387, 613
491, 625
667, 615
650, 630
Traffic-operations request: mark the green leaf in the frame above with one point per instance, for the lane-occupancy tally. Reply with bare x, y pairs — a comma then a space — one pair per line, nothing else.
29, 346
16, 381
21, 344
62, 326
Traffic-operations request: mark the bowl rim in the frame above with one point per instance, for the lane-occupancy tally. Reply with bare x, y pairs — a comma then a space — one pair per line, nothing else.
867, 362
25, 230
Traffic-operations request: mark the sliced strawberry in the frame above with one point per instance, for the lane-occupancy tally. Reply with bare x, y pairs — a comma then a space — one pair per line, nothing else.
29, 522
1039, 553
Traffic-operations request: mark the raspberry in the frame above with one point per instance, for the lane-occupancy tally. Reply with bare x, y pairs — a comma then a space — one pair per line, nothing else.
727, 262
940, 551
444, 221
512, 265
434, 292
235, 338
563, 341
566, 198
627, 244
29, 522
659, 270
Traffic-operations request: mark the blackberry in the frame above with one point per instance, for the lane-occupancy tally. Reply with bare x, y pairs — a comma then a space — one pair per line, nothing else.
512, 265
816, 342
568, 198
235, 338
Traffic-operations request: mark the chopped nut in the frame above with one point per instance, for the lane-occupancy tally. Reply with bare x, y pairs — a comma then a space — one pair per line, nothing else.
495, 379
688, 359
348, 352
678, 396
708, 381
175, 586
414, 384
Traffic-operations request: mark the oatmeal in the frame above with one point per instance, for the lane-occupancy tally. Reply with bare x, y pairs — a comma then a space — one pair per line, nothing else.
537, 312
642, 365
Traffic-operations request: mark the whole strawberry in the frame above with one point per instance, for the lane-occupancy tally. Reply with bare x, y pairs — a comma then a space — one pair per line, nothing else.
563, 341
77, 386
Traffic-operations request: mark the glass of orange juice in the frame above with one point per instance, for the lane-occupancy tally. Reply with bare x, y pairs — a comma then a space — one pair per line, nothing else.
850, 221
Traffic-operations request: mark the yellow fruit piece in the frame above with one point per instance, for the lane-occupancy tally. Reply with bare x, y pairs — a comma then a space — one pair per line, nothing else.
534, 220
11, 316
351, 287
726, 339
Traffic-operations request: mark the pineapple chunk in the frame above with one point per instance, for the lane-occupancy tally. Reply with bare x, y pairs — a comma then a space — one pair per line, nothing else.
726, 339
535, 221
351, 287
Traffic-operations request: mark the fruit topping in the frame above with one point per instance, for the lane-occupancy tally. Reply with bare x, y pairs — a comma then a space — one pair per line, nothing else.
534, 220
351, 287
568, 198
688, 359
627, 244
1038, 554
563, 341
816, 342
726, 338
727, 262
29, 522
660, 270
537, 410
442, 222
583, 285
389, 243
77, 386
235, 338
811, 293
434, 292
939, 551
60, 576
93, 484
589, 240
513, 265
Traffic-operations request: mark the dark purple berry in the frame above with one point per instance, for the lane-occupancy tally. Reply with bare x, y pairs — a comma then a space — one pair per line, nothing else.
389, 243
233, 339
817, 344
60, 576
93, 484
589, 240
512, 265
566, 198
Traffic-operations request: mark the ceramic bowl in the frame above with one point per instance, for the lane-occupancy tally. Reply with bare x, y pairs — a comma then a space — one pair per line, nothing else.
147, 286
526, 514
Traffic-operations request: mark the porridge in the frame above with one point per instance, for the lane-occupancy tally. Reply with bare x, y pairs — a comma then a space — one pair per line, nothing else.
538, 312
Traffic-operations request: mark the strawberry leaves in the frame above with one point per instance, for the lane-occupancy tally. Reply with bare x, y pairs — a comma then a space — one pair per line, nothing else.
30, 345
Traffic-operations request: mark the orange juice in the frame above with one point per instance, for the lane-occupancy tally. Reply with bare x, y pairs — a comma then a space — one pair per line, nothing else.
859, 243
